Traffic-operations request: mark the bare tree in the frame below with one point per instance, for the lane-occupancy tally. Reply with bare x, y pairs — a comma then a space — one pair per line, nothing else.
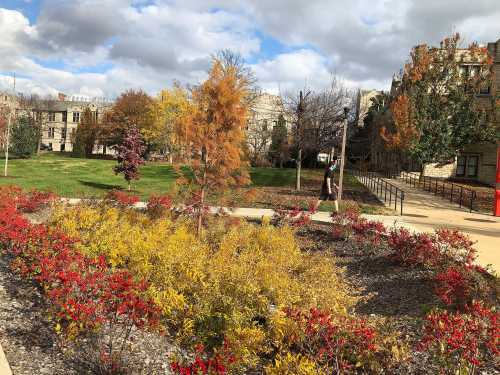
318, 120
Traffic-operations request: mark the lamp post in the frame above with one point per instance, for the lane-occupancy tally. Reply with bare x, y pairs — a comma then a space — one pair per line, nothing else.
342, 157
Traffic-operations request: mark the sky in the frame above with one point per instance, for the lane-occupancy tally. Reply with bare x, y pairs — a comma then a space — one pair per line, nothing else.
99, 48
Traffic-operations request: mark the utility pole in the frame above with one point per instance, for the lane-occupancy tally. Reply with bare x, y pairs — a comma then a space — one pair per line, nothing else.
342, 160
300, 110
7, 140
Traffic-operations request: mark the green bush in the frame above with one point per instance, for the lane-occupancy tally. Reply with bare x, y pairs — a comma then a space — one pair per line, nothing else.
24, 137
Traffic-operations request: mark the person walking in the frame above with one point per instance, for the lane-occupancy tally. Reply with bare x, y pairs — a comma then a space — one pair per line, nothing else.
329, 188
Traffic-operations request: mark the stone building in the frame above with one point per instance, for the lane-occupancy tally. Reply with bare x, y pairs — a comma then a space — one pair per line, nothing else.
363, 104
60, 120
264, 115
57, 119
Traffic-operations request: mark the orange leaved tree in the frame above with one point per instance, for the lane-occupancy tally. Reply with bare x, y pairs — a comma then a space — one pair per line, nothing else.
214, 132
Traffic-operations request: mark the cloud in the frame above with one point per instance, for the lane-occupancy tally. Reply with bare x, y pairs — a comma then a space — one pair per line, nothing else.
106, 46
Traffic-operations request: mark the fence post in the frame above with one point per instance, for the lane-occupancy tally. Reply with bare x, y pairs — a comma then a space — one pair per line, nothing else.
461, 191
451, 195
472, 197
402, 199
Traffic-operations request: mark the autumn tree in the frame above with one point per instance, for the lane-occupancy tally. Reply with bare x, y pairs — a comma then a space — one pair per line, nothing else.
131, 109
86, 134
436, 113
129, 156
168, 108
214, 132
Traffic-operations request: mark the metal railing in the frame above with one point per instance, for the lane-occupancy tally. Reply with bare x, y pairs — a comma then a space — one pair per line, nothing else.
457, 193
383, 189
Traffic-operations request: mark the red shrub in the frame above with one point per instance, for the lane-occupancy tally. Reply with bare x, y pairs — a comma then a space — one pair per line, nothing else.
452, 286
218, 363
365, 233
413, 249
456, 246
338, 345
158, 205
462, 340
84, 293
121, 199
35, 200
459, 284
296, 217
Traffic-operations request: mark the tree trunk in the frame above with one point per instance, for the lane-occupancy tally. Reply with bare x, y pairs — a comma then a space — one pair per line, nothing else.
200, 211
129, 186
299, 166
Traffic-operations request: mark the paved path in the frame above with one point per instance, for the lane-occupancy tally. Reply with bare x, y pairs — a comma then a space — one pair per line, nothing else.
426, 212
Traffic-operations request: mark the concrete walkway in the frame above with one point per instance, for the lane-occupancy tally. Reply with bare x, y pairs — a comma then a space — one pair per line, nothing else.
424, 211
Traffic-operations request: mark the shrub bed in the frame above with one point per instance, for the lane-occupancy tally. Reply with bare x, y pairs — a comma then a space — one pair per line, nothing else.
240, 297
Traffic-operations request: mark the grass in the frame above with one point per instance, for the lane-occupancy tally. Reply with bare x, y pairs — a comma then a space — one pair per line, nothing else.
75, 177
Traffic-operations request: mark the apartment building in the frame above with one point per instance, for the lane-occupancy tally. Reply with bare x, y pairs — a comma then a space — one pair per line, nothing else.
60, 120
478, 162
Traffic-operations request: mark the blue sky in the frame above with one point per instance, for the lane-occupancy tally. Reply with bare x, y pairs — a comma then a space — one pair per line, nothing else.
102, 47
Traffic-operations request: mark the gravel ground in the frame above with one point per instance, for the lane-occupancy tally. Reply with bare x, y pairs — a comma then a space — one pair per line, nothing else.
28, 341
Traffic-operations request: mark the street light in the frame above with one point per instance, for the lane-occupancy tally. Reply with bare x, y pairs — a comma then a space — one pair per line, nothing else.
347, 105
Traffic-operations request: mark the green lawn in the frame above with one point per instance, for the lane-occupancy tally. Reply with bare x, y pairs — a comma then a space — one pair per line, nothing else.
74, 177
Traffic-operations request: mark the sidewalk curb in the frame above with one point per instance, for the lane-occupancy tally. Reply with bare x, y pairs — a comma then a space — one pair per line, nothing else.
4, 365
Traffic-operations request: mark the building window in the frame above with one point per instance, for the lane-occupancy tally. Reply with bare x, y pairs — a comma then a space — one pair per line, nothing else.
467, 166
76, 116
63, 133
52, 116
51, 132
65, 116
472, 166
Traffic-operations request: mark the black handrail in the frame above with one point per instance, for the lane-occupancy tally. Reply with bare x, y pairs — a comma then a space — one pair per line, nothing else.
381, 187
437, 186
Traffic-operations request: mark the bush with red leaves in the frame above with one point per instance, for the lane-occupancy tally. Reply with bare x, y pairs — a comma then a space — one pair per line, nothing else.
458, 285
120, 199
412, 249
158, 205
85, 294
349, 225
13, 196
216, 364
462, 342
338, 344
296, 217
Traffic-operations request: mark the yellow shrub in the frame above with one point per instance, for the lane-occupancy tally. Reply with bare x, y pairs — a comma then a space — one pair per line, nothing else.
230, 284
292, 364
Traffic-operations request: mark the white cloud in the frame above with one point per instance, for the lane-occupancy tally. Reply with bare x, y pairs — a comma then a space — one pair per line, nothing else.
148, 44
